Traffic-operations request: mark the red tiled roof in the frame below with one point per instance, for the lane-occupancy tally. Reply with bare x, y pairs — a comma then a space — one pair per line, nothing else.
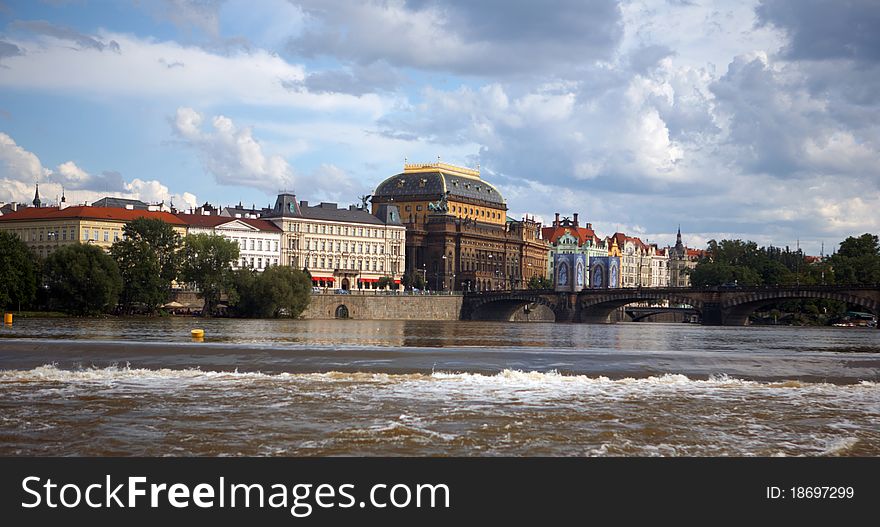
696, 252
551, 234
91, 213
200, 220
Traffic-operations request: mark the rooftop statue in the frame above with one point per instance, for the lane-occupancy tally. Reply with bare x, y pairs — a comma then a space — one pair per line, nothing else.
440, 206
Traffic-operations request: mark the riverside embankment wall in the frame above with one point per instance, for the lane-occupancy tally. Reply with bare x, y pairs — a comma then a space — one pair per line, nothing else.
385, 307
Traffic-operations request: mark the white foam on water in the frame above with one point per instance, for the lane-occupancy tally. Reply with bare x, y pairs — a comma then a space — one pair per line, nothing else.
515, 379
840, 446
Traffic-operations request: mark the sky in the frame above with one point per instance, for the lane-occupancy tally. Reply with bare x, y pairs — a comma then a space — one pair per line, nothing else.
755, 120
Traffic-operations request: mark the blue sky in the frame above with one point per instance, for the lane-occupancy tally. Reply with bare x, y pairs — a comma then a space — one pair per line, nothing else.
754, 120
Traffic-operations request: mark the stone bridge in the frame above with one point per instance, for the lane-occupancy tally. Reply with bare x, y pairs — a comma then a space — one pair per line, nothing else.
728, 306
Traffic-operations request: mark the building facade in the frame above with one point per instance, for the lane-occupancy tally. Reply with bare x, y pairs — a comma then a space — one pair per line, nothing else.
681, 260
458, 236
341, 248
259, 241
45, 229
567, 236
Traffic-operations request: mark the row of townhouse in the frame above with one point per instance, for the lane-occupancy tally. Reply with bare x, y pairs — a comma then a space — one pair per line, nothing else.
344, 248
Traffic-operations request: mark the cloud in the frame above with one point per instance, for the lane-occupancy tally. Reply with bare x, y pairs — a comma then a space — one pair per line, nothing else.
20, 169
202, 15
84, 41
9, 50
825, 29
147, 69
356, 80
231, 154
474, 38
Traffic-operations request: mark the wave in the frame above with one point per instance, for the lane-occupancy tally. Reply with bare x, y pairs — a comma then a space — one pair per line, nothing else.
508, 377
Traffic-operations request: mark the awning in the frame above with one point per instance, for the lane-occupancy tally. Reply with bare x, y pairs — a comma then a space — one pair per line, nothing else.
369, 280
322, 279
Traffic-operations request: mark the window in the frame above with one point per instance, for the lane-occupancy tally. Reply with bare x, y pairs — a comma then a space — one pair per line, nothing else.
408, 208
106, 236
64, 235
259, 263
260, 245
115, 236
275, 246
418, 207
85, 235
94, 235
323, 262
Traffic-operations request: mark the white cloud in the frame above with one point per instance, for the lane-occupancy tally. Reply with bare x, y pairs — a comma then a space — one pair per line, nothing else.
141, 69
20, 169
232, 155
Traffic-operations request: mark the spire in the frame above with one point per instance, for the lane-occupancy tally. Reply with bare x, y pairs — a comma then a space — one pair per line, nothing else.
37, 201
63, 199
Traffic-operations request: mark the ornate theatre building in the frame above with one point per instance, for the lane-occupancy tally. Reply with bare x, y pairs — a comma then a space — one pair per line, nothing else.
458, 235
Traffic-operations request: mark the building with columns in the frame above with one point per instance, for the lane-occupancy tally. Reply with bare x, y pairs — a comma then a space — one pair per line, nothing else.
259, 241
458, 235
342, 248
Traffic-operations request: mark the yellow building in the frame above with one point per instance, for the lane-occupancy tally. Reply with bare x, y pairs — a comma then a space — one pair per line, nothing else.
45, 229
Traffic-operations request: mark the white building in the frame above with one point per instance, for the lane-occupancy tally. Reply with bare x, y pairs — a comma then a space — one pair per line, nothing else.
341, 248
259, 241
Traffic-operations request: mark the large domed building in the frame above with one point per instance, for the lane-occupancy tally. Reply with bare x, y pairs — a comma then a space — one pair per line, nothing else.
458, 235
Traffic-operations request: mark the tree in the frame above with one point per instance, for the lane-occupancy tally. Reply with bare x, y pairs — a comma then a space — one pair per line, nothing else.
18, 272
82, 279
857, 262
148, 257
385, 282
539, 282
413, 280
277, 291
207, 263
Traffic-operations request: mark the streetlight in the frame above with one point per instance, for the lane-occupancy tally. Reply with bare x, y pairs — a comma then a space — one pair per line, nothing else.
437, 278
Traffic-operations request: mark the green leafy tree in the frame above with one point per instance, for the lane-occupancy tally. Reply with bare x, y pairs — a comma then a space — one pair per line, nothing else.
275, 292
82, 280
18, 272
413, 280
857, 262
148, 257
207, 263
539, 282
385, 282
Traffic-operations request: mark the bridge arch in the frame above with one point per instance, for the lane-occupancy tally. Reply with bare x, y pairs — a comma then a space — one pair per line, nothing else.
504, 307
737, 308
597, 309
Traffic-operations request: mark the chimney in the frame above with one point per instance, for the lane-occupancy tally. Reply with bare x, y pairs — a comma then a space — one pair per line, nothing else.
575, 219
590, 226
556, 223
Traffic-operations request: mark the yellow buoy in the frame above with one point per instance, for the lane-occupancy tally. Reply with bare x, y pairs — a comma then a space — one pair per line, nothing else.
198, 333
8, 318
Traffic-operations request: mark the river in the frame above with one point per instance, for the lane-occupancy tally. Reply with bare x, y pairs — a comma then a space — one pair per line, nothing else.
418, 388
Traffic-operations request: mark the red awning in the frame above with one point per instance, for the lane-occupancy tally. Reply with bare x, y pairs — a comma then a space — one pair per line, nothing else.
397, 281
369, 279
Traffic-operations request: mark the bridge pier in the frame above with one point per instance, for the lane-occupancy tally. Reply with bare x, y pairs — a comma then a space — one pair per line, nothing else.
711, 314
